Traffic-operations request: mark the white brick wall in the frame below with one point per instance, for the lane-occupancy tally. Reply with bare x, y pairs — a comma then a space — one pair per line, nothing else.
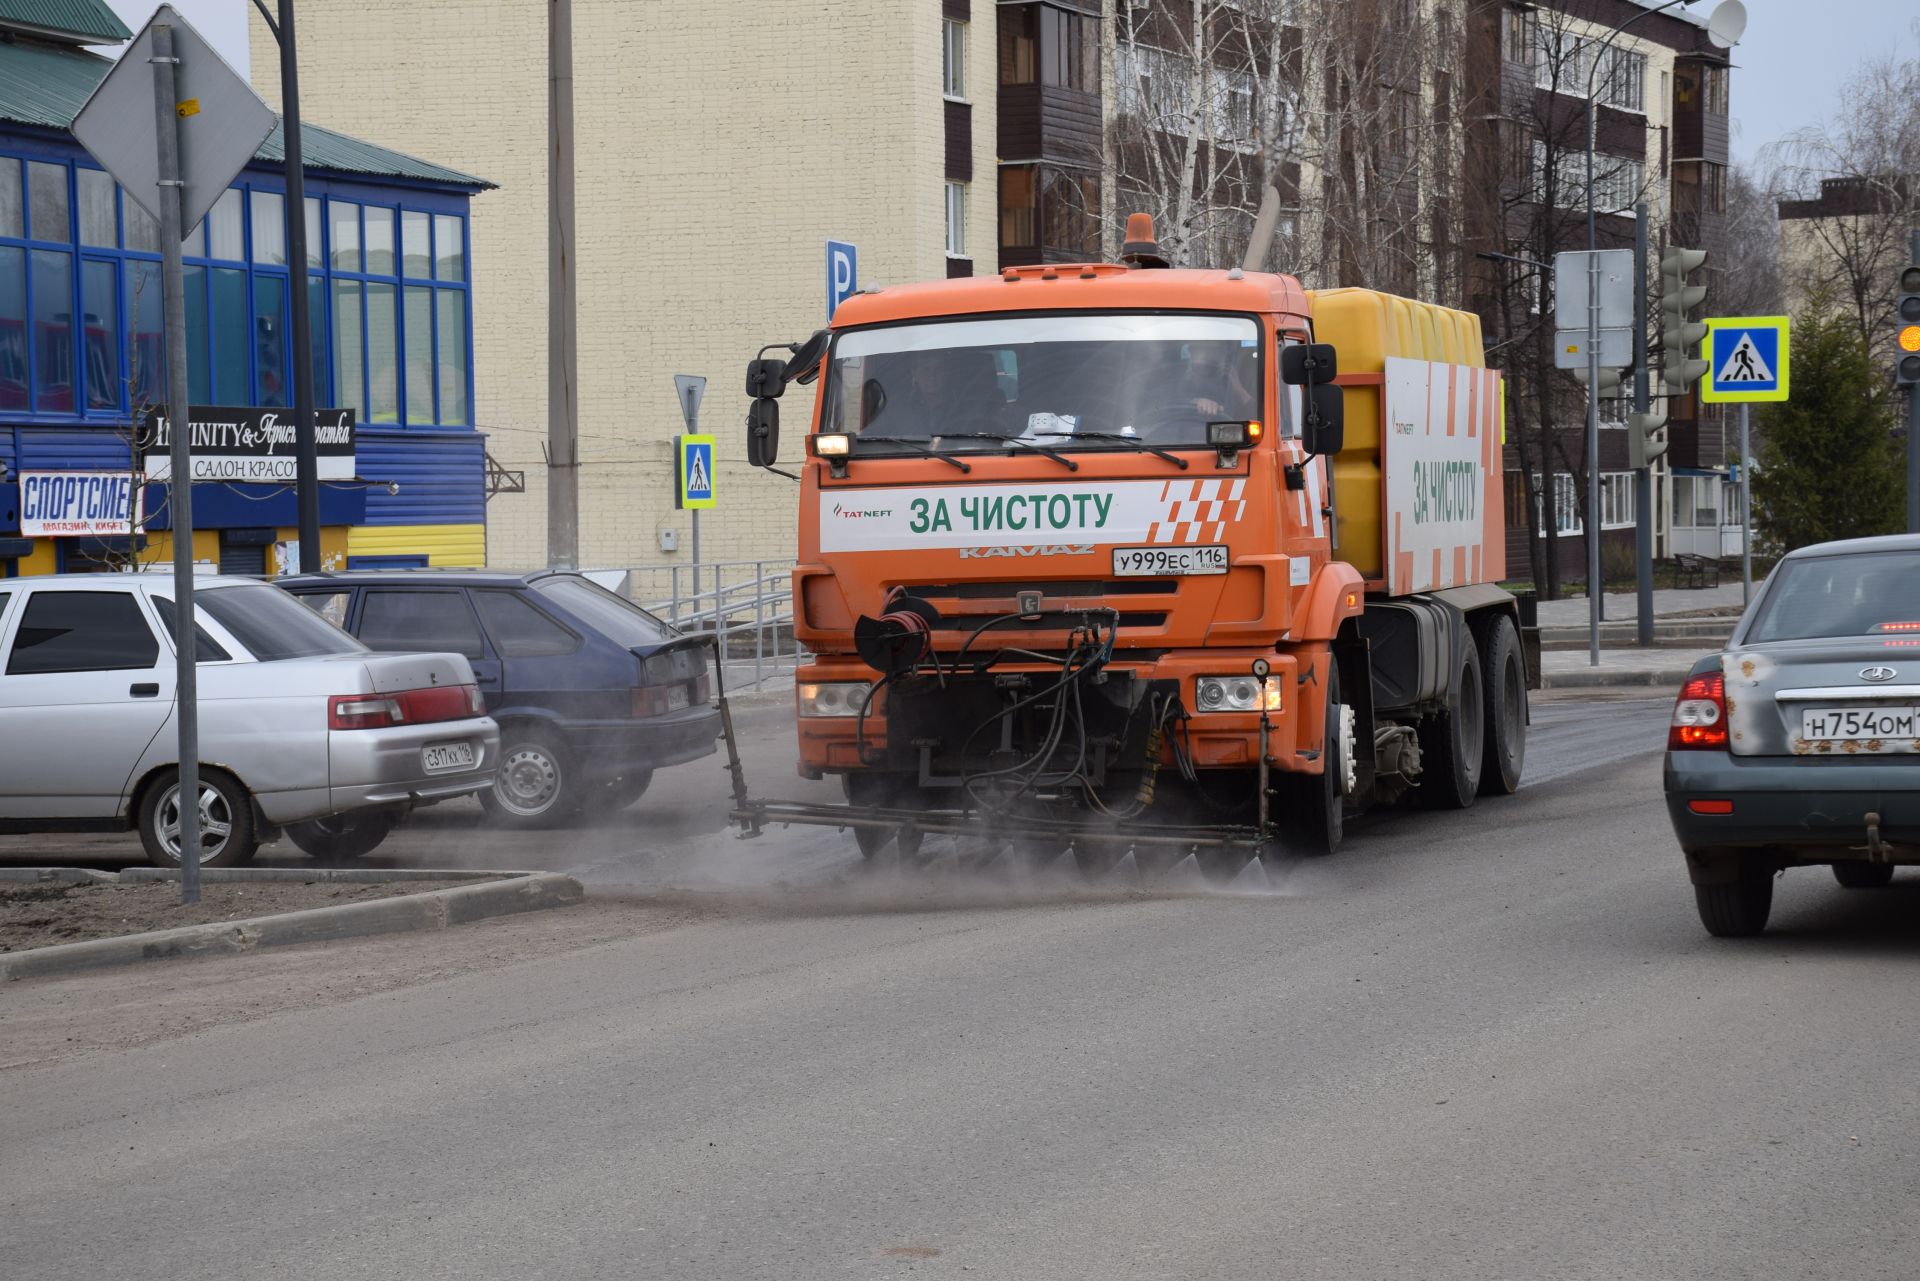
719, 144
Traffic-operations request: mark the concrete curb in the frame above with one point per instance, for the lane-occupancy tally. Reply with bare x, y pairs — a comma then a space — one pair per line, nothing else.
433, 910
71, 875
345, 875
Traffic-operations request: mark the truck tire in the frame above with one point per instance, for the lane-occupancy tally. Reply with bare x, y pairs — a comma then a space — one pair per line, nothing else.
1452, 743
1737, 908
1313, 820
1863, 876
1504, 752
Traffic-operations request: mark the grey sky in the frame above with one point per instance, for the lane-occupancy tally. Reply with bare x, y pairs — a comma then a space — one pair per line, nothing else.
1791, 64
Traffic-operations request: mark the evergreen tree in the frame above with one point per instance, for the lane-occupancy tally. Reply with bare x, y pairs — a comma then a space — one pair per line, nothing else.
1827, 464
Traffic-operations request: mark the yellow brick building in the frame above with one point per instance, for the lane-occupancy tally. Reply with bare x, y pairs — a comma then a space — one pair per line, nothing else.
719, 146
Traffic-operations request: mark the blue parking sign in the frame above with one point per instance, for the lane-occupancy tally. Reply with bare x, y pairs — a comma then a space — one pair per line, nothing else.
843, 274
694, 467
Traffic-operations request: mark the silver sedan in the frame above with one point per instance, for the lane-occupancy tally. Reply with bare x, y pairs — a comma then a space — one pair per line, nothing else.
302, 728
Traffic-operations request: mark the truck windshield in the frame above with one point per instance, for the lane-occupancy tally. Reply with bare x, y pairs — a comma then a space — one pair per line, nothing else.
1045, 379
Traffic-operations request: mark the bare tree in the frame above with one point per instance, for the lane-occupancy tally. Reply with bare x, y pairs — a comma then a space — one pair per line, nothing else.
1863, 167
1331, 105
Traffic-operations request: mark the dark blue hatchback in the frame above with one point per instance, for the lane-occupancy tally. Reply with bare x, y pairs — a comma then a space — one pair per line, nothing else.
592, 693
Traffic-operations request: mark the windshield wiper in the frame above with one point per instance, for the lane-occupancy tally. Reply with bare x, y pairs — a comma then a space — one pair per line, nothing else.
1010, 442
1139, 446
923, 447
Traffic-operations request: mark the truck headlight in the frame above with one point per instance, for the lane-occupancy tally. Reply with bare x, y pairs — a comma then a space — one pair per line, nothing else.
838, 699
1236, 694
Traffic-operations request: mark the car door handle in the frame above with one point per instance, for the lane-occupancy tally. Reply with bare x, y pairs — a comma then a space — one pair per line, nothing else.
149, 689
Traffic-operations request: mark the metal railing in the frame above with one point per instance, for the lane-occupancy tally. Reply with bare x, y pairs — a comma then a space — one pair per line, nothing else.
746, 604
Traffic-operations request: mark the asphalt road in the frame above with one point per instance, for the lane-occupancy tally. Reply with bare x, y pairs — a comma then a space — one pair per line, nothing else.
1484, 1045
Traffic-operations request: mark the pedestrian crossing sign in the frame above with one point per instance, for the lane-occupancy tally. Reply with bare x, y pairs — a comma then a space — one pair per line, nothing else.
1746, 359
693, 480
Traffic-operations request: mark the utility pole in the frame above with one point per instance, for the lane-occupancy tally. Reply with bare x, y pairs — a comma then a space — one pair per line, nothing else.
563, 408
1643, 466
306, 450
1906, 366
186, 701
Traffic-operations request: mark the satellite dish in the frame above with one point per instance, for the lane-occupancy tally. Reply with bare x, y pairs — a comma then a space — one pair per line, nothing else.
1727, 23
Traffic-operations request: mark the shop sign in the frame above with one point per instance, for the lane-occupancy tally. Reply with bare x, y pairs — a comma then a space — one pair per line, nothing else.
251, 445
79, 504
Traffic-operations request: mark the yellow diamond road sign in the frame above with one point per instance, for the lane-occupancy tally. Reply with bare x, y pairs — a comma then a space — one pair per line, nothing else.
1746, 359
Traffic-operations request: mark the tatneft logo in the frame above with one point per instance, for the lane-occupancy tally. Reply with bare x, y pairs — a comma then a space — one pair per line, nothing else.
861, 513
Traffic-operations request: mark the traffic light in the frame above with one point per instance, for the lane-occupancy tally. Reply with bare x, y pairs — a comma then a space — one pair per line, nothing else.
1906, 361
1682, 336
1642, 448
1610, 379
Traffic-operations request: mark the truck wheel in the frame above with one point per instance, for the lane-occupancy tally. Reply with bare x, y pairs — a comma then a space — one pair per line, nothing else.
1452, 743
343, 835
1314, 820
1736, 908
1863, 876
226, 820
1505, 750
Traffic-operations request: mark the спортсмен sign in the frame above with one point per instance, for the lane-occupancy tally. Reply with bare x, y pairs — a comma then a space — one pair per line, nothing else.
245, 444
79, 504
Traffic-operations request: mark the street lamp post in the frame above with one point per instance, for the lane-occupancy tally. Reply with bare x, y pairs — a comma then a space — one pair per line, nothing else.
1724, 28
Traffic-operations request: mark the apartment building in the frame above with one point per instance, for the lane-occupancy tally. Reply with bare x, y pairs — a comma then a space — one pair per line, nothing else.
719, 147
1660, 90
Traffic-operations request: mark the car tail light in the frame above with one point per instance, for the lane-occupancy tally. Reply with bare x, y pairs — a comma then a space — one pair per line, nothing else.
1700, 715
1895, 627
407, 707
1711, 807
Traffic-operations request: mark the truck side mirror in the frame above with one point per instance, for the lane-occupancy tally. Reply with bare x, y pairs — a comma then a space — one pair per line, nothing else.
1324, 432
1305, 363
804, 367
763, 431
766, 378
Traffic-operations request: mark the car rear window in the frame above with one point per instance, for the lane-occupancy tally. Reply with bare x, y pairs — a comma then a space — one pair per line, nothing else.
615, 617
1864, 594
271, 624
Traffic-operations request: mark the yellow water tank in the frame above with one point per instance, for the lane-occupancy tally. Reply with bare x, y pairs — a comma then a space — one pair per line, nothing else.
1365, 327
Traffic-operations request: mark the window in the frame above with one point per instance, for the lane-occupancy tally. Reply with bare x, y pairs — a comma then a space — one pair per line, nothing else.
53, 332
343, 224
1713, 187
47, 217
271, 624
1623, 80
1616, 500
449, 248
226, 240
416, 244
270, 340
379, 241
1069, 50
98, 227
953, 58
420, 622
1019, 60
1713, 87
82, 632
619, 619
350, 390
519, 629
205, 649
4, 598
13, 213
1520, 36
331, 606
1858, 594
269, 228
100, 333
419, 338
1018, 227
956, 220
453, 356
1618, 181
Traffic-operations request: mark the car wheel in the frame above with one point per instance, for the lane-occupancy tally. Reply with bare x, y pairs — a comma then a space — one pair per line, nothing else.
1452, 743
1863, 876
1505, 749
1737, 908
615, 794
343, 835
1313, 814
535, 786
226, 820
